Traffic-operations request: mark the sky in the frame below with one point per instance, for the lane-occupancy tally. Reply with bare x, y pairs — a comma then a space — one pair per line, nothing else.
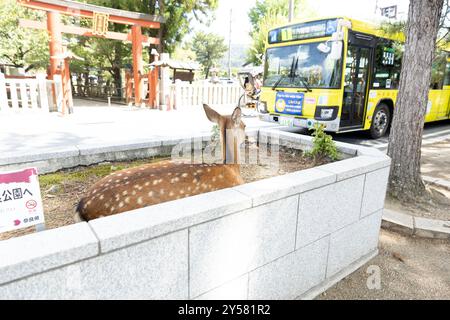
361, 9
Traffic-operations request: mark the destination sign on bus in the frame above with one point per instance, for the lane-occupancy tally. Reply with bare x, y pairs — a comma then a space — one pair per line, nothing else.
314, 29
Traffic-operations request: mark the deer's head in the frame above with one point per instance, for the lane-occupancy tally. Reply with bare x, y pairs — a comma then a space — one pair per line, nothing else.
232, 132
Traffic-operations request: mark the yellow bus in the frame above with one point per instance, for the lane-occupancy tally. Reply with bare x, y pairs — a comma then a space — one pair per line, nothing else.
340, 72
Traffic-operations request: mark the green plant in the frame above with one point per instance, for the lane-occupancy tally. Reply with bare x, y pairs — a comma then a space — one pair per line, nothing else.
323, 145
215, 134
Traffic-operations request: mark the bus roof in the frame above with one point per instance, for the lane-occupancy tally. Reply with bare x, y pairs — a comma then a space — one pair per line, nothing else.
357, 25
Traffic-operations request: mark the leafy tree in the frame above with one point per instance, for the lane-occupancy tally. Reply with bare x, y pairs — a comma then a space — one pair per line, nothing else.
209, 49
267, 14
22, 47
405, 140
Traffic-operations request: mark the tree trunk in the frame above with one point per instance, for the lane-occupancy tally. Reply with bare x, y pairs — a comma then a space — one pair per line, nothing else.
405, 139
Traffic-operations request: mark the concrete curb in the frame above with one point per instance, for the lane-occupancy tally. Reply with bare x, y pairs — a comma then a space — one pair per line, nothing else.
417, 226
437, 182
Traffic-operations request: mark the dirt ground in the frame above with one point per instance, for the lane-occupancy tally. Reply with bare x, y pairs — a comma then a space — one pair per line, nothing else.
61, 191
438, 207
411, 268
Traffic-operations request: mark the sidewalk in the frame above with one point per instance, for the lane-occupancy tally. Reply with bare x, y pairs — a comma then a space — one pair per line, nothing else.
94, 124
428, 221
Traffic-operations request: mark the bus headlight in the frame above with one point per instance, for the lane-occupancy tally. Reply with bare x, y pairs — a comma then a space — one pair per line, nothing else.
326, 113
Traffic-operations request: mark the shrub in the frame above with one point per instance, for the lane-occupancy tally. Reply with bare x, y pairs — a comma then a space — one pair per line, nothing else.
323, 145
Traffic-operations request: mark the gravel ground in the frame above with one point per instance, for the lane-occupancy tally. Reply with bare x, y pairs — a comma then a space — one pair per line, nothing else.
411, 268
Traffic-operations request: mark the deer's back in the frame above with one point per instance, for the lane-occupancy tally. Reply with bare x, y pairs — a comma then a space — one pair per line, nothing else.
154, 183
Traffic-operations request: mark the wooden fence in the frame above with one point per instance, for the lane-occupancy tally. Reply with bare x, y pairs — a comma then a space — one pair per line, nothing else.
30, 94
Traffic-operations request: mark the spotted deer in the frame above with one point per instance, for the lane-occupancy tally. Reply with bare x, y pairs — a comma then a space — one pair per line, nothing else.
168, 180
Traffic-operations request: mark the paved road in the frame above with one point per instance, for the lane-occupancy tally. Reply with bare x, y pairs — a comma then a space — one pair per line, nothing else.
433, 132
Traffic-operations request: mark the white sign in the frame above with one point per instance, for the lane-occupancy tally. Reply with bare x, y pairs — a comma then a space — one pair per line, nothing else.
20, 200
389, 12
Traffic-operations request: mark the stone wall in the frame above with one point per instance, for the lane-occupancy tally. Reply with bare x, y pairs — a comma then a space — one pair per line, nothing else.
286, 237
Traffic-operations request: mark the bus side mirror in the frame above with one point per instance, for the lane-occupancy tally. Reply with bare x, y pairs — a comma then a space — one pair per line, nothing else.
336, 50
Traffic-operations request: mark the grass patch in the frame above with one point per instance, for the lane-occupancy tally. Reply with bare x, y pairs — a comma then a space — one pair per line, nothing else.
82, 174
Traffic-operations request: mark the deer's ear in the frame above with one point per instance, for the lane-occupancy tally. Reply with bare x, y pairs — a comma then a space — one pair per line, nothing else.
212, 115
236, 115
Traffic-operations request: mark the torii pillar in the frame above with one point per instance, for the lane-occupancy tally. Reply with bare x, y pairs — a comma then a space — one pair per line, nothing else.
53, 26
138, 65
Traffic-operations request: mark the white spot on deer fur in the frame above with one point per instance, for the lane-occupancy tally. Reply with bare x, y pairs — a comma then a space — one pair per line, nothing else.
150, 194
189, 188
119, 174
107, 205
184, 175
101, 197
128, 172
209, 170
195, 181
169, 174
133, 193
125, 193
171, 193
127, 200
140, 200
94, 191
181, 191
136, 186
220, 176
213, 179
161, 191
120, 204
147, 184
109, 180
125, 178
128, 182
111, 209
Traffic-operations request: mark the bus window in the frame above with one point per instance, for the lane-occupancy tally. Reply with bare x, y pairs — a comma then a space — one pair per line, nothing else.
447, 75
387, 65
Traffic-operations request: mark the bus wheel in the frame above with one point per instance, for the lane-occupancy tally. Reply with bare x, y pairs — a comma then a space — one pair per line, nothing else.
380, 121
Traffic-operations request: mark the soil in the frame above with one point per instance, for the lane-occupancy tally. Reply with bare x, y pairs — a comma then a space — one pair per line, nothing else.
436, 207
410, 268
61, 191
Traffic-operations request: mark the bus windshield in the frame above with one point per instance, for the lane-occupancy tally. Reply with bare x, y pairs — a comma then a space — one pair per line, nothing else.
302, 66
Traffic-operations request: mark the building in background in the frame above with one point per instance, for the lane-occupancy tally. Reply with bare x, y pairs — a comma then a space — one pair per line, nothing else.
395, 10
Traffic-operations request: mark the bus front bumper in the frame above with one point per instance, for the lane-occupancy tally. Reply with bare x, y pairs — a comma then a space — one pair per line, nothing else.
330, 126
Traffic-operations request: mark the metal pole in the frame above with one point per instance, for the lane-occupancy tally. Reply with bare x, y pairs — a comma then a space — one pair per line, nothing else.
229, 47
291, 10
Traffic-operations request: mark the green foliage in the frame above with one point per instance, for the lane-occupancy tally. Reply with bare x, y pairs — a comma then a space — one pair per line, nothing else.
22, 47
267, 14
323, 145
209, 49
215, 133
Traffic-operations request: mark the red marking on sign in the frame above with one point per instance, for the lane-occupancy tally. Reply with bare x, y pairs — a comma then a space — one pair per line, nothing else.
31, 204
16, 222
18, 177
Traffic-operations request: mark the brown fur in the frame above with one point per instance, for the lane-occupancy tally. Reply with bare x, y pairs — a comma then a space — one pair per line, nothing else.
163, 181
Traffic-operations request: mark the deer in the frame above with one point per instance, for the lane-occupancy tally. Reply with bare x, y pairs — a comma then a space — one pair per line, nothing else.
168, 180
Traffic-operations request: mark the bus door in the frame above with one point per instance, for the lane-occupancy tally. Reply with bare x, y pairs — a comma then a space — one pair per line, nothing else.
360, 52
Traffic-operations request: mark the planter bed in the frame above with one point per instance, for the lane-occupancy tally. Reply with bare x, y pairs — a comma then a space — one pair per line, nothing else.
285, 237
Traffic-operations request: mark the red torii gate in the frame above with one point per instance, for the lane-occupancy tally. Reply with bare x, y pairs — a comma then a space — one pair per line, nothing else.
100, 16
